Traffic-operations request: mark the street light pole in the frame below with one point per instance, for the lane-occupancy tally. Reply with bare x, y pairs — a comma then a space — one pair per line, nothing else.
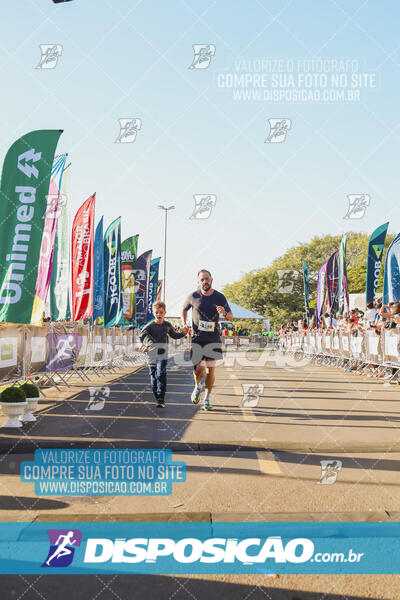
165, 209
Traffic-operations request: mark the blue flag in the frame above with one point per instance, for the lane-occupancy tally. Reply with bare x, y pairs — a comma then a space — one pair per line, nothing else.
113, 311
98, 272
374, 261
391, 280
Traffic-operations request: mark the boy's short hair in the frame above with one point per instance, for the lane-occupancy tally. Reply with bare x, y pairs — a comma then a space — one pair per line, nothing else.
159, 304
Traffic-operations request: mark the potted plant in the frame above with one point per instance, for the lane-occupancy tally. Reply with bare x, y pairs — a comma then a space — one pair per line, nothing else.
13, 403
32, 398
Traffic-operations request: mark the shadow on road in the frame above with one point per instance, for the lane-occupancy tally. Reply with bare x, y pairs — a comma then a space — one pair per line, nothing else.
103, 587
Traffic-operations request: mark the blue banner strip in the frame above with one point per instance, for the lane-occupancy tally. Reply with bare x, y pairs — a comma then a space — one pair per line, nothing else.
182, 548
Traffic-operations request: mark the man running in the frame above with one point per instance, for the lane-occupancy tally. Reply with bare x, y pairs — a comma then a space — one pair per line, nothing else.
207, 305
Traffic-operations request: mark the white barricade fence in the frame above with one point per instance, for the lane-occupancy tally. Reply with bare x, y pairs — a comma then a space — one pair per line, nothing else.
56, 351
361, 350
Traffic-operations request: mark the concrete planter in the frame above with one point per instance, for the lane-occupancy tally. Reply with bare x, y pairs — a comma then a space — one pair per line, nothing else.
31, 406
13, 410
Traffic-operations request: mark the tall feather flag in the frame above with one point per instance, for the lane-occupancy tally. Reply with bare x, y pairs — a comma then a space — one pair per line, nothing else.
374, 261
343, 296
25, 182
321, 290
391, 280
48, 238
82, 260
306, 290
60, 287
113, 308
98, 270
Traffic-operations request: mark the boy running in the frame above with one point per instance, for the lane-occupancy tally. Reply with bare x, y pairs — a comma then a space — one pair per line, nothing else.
154, 337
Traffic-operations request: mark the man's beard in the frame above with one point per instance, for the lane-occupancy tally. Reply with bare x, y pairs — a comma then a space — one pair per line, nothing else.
205, 287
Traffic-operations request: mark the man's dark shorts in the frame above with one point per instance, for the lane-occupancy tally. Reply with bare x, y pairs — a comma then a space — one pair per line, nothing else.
205, 350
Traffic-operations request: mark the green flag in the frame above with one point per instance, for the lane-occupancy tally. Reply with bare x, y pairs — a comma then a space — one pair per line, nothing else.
24, 188
59, 283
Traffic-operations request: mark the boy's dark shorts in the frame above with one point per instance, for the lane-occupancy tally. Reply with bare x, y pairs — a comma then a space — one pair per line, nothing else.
205, 350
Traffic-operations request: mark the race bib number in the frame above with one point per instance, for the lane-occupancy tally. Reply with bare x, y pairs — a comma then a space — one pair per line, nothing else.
206, 325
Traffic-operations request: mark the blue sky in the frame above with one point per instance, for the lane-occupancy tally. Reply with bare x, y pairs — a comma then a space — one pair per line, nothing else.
130, 59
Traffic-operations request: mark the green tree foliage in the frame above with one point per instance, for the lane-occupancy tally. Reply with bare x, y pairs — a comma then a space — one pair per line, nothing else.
260, 290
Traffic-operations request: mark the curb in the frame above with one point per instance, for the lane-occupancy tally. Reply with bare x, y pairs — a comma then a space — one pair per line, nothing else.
28, 446
207, 517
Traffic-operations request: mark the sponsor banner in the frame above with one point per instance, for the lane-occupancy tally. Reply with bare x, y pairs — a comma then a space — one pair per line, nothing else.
48, 239
128, 260
391, 280
257, 548
24, 188
142, 275
99, 343
113, 313
374, 260
37, 348
60, 276
332, 281
11, 351
98, 270
64, 349
153, 283
82, 261
83, 357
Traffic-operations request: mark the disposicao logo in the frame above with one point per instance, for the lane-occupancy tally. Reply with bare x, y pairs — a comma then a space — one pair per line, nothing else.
62, 542
191, 550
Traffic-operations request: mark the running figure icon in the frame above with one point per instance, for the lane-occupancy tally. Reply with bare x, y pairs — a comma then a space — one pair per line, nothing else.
61, 551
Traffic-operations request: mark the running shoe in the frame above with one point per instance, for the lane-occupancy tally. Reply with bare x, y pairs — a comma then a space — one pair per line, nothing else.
206, 404
160, 403
196, 394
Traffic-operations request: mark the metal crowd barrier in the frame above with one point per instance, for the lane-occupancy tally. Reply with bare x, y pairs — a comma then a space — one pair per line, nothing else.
364, 352
52, 354
254, 341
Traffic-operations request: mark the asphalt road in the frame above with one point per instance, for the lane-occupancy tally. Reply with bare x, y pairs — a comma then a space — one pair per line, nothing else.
250, 458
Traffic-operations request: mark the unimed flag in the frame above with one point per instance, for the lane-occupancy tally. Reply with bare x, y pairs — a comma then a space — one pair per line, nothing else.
82, 261
128, 258
113, 313
153, 283
374, 260
48, 239
24, 188
60, 273
98, 270
391, 280
142, 275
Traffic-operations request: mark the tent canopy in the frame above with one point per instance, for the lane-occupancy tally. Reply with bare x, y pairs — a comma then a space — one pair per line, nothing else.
243, 313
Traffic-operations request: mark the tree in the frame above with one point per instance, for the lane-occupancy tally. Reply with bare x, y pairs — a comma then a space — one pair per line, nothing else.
276, 291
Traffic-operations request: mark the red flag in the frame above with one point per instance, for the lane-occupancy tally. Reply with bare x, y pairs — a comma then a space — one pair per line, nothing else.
82, 261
